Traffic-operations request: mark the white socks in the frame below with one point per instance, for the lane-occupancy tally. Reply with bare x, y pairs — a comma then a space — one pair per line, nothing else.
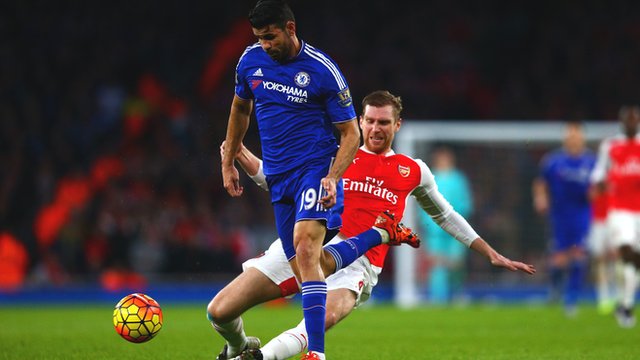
233, 332
629, 285
605, 280
287, 344
383, 233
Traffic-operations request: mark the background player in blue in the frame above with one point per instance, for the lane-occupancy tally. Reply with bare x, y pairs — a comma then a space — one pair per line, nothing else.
561, 192
299, 95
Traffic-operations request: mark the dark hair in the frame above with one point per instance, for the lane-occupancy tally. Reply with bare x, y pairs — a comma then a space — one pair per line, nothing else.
380, 98
270, 12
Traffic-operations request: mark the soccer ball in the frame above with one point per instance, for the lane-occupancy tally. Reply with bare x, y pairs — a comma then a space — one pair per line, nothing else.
137, 318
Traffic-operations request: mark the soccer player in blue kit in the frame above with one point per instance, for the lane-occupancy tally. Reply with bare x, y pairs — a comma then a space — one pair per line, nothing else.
299, 95
562, 192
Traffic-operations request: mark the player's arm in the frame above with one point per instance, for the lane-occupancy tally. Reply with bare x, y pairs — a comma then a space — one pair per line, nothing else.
496, 259
443, 214
236, 129
250, 163
540, 194
349, 142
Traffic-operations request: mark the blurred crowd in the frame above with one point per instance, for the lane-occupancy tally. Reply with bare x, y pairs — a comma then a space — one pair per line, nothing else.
111, 114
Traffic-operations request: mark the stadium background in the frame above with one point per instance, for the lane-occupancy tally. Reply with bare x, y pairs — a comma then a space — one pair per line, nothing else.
112, 114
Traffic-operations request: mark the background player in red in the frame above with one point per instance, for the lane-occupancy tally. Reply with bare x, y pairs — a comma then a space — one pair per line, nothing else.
378, 179
618, 170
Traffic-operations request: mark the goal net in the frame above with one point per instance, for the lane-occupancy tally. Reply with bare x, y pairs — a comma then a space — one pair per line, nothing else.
500, 160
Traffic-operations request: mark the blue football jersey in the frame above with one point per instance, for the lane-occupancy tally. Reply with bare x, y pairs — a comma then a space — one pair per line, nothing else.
568, 180
296, 104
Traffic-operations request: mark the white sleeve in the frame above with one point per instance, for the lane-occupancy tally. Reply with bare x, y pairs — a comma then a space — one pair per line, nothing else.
260, 179
599, 172
442, 213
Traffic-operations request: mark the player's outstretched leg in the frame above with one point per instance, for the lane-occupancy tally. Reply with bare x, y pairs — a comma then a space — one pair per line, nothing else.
224, 312
385, 230
398, 232
289, 343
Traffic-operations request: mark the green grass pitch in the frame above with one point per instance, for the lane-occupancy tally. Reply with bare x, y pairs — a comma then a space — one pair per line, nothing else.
375, 332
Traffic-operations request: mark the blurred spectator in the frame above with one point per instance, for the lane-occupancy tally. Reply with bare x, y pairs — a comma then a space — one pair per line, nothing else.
14, 261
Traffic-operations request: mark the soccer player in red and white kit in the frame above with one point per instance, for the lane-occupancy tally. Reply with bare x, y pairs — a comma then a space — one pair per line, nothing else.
378, 179
618, 169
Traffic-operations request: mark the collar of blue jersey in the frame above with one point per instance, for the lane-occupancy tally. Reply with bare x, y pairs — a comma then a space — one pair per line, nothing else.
302, 46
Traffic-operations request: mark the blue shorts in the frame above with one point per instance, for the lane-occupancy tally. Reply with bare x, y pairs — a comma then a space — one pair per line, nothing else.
569, 234
295, 196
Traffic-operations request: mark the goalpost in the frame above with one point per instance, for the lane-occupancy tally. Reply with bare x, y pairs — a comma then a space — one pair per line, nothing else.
517, 144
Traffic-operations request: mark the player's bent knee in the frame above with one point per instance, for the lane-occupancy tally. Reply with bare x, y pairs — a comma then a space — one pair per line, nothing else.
307, 253
212, 313
219, 311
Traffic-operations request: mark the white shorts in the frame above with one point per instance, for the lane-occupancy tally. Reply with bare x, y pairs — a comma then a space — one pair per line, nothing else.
624, 227
599, 240
359, 277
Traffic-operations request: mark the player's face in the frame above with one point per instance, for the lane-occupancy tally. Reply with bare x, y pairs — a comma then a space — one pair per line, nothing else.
277, 42
379, 126
574, 139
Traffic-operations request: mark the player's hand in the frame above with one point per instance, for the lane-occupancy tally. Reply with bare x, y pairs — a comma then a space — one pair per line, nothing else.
329, 198
230, 175
506, 263
231, 180
528, 268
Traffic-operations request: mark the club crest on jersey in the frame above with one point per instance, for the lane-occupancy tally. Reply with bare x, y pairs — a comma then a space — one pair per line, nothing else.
302, 79
404, 170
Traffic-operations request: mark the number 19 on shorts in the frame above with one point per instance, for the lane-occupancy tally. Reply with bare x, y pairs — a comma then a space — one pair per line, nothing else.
310, 199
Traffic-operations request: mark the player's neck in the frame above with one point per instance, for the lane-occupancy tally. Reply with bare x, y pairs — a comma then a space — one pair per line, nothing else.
386, 152
295, 49
574, 150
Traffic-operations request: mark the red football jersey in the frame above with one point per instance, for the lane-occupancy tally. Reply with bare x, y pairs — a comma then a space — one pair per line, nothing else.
624, 174
374, 183
621, 159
